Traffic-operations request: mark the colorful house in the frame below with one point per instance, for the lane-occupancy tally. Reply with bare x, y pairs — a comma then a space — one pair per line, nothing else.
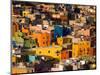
25, 13
82, 49
43, 39
75, 50
60, 41
64, 54
54, 52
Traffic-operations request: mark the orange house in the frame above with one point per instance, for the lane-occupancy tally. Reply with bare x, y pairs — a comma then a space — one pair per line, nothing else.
64, 54
25, 30
43, 39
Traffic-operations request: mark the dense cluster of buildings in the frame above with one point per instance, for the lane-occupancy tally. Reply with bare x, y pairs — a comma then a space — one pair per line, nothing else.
52, 35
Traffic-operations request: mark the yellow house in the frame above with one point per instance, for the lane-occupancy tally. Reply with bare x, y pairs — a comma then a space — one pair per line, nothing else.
75, 50
19, 70
81, 49
60, 41
84, 48
13, 58
54, 51
25, 13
